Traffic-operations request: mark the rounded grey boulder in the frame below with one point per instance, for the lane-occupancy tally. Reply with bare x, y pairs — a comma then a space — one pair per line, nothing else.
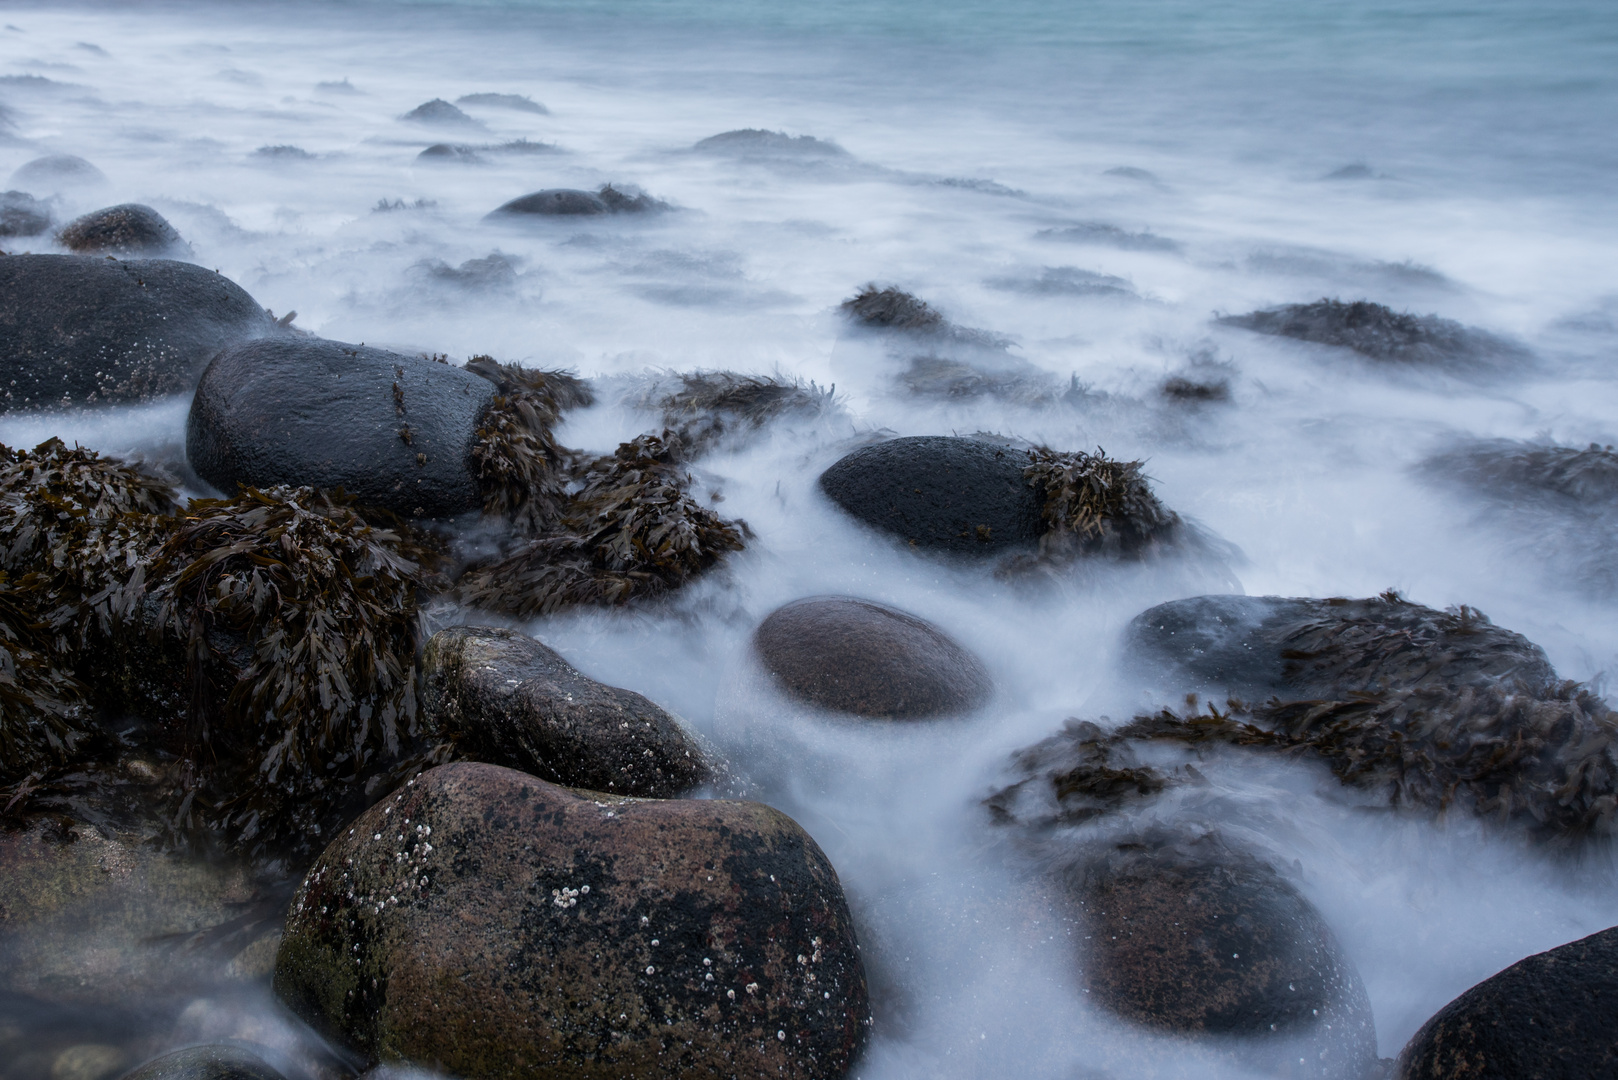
395, 431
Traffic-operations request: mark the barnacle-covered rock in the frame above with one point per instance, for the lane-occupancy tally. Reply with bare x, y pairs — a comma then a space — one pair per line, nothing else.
126, 229
1547, 1015
84, 332
855, 656
494, 926
506, 699
1383, 334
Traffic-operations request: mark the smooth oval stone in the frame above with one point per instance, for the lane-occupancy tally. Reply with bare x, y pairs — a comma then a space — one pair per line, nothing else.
396, 431
856, 656
221, 1061
940, 492
22, 215
76, 331
502, 928
506, 699
556, 202
1549, 1015
128, 229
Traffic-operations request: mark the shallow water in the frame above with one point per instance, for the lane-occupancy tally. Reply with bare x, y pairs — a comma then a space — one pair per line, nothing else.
1485, 196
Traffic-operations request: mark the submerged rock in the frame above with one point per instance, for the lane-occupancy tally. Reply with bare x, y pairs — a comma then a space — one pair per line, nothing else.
495, 926
1382, 333
941, 492
127, 229
503, 698
855, 656
394, 431
23, 215
756, 142
80, 332
1549, 1015
570, 202
222, 1061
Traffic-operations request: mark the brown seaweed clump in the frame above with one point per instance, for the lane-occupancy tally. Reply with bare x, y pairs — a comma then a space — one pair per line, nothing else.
1093, 505
710, 407
629, 532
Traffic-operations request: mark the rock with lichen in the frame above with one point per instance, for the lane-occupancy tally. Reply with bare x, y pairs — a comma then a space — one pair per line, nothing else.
492, 925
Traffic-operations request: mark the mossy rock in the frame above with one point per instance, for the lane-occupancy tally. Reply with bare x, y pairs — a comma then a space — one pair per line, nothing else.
127, 229
492, 925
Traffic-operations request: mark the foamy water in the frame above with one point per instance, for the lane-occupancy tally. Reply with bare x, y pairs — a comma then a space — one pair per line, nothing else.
1485, 197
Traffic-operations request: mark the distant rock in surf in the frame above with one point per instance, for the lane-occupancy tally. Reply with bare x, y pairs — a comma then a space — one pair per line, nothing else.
23, 215
1381, 333
1101, 234
570, 202
440, 113
1547, 1015
516, 102
84, 331
128, 229
758, 143
57, 172
856, 656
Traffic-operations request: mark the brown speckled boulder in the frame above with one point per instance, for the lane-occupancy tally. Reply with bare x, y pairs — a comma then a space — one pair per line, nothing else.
1550, 1015
506, 699
856, 656
491, 925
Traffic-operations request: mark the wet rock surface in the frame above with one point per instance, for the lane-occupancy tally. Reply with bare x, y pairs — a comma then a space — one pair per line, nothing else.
219, 1062
1549, 1015
503, 698
855, 656
127, 229
23, 215
395, 431
77, 331
495, 926
940, 492
1381, 333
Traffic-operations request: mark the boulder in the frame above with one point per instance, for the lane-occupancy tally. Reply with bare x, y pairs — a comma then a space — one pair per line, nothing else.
395, 431
1381, 333
506, 699
56, 172
77, 331
127, 229
222, 1061
1194, 938
22, 215
856, 656
1550, 1015
494, 926
941, 492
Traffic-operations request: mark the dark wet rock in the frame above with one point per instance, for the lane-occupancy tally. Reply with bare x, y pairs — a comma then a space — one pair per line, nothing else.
221, 1061
22, 215
1549, 1015
450, 154
283, 152
127, 229
56, 171
708, 408
493, 272
1193, 391
503, 698
77, 331
1192, 937
500, 927
395, 431
936, 491
111, 920
855, 656
1382, 333
1064, 281
517, 102
440, 113
755, 142
569, 202
1101, 234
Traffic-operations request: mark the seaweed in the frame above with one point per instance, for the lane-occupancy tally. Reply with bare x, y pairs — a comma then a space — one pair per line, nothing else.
629, 532
521, 468
709, 407
1092, 504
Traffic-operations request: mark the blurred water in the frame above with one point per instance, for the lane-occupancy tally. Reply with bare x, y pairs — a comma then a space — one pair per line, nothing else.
1481, 133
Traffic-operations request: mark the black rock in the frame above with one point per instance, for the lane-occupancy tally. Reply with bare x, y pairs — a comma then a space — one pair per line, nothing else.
506, 699
755, 142
441, 113
938, 491
55, 171
395, 431
127, 229
1550, 1015
22, 215
221, 1061
856, 656
504, 101
77, 331
1381, 333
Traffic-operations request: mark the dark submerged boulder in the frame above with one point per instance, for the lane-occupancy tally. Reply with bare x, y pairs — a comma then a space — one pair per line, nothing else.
23, 215
942, 492
127, 229
1550, 1015
1381, 333
221, 1061
855, 656
395, 431
506, 699
494, 926
77, 331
